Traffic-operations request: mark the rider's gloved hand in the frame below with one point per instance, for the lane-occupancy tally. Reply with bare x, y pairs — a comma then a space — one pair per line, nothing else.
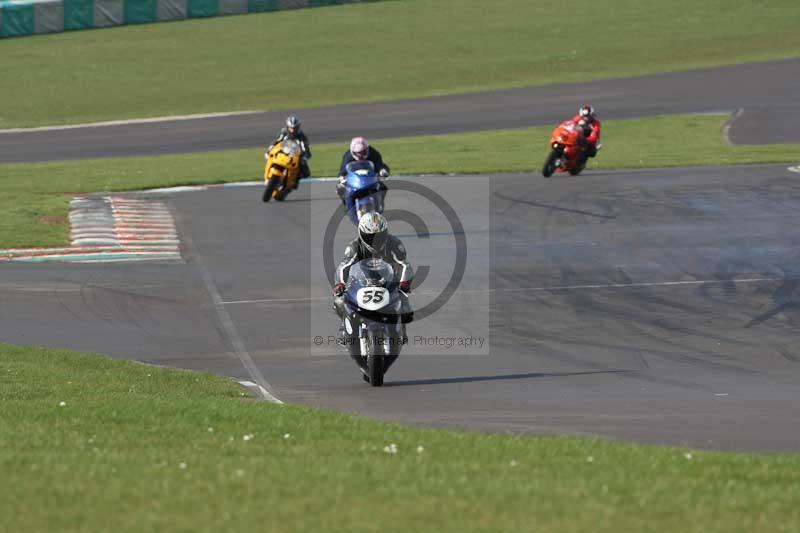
383, 173
338, 289
405, 286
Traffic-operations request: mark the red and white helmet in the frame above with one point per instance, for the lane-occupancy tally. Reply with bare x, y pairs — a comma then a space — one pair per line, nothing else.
587, 112
359, 148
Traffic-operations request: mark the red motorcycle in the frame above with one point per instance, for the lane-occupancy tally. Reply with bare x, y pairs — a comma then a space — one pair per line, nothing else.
565, 156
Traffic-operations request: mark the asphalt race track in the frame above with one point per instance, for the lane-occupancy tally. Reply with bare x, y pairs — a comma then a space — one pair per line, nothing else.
659, 306
765, 92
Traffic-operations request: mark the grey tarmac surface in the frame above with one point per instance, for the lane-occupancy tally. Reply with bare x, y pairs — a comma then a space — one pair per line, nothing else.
660, 306
761, 89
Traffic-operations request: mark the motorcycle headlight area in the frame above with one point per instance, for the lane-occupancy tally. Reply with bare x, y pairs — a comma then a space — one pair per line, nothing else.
388, 314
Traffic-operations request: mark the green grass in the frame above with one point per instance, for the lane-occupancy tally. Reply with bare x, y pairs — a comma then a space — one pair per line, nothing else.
373, 52
110, 459
36, 192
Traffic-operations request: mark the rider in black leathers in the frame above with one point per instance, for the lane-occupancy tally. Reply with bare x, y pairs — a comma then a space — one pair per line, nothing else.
360, 150
374, 241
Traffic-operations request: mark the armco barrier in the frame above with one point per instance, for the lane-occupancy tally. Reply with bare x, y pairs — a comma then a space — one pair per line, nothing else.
29, 17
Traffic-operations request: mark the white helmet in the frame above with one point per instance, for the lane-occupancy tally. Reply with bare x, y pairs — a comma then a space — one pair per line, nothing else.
373, 232
359, 148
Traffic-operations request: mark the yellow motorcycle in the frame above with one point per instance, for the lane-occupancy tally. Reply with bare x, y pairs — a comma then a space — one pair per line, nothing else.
282, 169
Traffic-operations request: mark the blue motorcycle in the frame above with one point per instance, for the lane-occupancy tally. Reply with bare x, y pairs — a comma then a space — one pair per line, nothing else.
363, 190
375, 314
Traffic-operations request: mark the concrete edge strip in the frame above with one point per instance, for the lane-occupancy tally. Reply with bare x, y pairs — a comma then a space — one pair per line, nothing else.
194, 188
726, 128
100, 258
259, 390
129, 122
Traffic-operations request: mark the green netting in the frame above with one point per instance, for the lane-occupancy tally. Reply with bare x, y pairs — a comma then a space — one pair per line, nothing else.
201, 8
140, 11
16, 19
320, 3
255, 6
78, 14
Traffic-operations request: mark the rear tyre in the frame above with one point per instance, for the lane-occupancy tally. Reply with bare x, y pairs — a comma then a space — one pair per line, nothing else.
577, 169
550, 163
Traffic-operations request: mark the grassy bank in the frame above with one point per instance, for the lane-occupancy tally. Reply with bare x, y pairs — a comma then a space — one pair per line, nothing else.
34, 197
374, 52
88, 443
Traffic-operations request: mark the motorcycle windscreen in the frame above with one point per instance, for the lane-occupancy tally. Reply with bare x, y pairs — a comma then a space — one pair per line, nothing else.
368, 202
372, 289
360, 175
291, 147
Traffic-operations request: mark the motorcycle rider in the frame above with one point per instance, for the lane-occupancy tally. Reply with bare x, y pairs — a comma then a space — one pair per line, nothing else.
360, 150
294, 131
591, 127
373, 240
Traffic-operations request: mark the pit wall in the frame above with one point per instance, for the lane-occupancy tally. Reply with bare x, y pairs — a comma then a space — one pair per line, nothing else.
29, 17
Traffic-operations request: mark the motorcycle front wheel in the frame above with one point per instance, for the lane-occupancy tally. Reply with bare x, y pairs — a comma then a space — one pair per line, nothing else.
272, 184
282, 190
374, 360
550, 163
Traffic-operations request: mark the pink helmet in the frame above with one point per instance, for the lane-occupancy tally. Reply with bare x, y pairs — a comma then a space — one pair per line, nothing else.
359, 147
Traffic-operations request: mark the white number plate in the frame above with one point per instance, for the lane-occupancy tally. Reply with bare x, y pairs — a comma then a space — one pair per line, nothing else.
372, 298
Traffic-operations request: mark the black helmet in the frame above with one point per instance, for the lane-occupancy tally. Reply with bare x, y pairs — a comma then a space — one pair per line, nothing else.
293, 123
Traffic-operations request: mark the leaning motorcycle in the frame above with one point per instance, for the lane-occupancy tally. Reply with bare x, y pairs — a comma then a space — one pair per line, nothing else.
282, 169
374, 318
364, 192
565, 153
